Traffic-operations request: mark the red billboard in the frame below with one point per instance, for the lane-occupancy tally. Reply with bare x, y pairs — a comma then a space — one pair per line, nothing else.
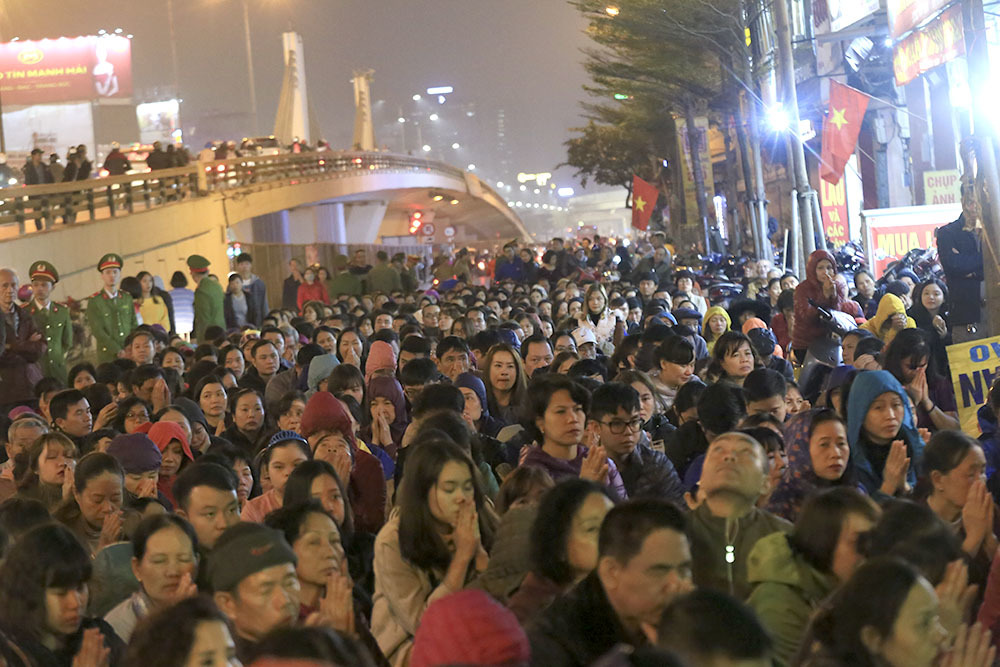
833, 206
890, 242
67, 69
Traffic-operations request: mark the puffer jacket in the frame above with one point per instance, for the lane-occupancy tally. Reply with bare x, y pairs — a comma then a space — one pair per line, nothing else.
807, 324
786, 592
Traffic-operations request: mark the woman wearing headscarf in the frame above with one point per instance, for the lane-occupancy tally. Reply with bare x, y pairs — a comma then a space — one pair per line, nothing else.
175, 453
386, 405
381, 360
886, 447
484, 423
889, 319
715, 323
826, 289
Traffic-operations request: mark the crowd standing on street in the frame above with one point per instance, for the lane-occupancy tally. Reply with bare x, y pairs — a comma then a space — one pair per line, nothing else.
591, 453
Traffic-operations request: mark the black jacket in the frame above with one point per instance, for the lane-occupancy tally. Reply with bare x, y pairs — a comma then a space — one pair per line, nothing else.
648, 473
578, 628
962, 260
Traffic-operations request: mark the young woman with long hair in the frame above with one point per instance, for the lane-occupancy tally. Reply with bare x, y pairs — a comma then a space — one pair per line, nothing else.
506, 383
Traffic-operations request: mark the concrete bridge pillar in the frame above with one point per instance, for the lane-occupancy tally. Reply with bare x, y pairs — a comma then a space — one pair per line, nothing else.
331, 225
364, 220
271, 228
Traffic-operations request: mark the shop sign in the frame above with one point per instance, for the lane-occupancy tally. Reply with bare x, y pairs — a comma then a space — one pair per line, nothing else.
65, 70
833, 206
845, 13
943, 187
905, 15
935, 44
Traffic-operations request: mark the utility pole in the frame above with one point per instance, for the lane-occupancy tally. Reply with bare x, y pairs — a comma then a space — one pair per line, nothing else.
786, 75
173, 62
978, 61
253, 86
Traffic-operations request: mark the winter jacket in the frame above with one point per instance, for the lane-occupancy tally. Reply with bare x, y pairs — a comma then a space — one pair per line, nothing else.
311, 292
962, 260
990, 438
578, 628
647, 473
257, 306
787, 590
807, 324
684, 445
868, 386
707, 534
889, 305
560, 469
510, 555
706, 331
19, 358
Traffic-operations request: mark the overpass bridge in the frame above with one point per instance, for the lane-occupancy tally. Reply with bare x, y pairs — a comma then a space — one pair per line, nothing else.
156, 219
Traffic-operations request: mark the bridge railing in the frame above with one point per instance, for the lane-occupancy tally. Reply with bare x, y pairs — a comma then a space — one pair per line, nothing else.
42, 206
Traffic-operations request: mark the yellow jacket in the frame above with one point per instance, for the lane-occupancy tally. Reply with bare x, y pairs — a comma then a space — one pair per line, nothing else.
889, 305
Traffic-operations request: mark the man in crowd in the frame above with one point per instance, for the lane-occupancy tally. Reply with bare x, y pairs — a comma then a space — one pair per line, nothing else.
51, 319
110, 311
209, 298
255, 289
23, 347
290, 288
383, 277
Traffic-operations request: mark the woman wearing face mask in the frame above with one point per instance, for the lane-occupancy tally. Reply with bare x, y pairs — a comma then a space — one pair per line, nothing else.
563, 544
887, 615
886, 447
930, 313
827, 289
191, 632
433, 544
311, 289
94, 513
909, 359
389, 419
819, 457
43, 601
164, 561
792, 574
285, 451
44, 471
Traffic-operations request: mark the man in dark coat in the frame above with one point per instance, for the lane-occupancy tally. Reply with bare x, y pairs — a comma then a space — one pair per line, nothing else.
158, 158
290, 288
961, 256
116, 163
24, 345
644, 562
255, 289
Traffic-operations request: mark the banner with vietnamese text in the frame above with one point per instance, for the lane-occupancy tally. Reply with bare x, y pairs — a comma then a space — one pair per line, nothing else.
974, 366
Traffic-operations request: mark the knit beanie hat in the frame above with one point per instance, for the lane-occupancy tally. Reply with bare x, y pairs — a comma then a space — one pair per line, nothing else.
320, 368
381, 357
191, 410
135, 452
469, 628
326, 412
245, 549
163, 433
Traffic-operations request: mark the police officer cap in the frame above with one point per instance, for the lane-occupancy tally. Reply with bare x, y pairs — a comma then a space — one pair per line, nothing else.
43, 270
110, 261
198, 263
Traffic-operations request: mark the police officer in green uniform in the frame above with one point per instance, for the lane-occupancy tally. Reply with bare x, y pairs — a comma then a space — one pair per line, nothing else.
110, 312
51, 319
208, 298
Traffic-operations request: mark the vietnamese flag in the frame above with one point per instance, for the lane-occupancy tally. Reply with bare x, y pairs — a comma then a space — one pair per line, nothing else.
644, 198
840, 129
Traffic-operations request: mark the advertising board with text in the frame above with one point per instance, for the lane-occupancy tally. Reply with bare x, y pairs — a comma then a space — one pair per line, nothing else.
68, 69
891, 233
974, 367
941, 40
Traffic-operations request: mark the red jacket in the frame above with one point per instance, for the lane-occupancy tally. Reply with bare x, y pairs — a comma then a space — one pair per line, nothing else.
314, 292
807, 327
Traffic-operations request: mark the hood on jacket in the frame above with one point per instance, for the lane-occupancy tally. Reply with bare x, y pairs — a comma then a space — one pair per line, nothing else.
389, 388
381, 357
868, 386
325, 412
889, 305
709, 314
753, 323
772, 561
814, 259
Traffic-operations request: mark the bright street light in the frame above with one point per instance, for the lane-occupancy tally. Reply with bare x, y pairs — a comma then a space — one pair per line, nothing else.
434, 116
427, 149
565, 192
401, 119
472, 167
777, 118
456, 145
416, 98
612, 11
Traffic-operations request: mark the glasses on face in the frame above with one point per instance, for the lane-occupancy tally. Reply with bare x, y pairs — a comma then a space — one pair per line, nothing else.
618, 426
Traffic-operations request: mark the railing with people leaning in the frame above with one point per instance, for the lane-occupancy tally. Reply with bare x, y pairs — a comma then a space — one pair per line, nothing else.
112, 196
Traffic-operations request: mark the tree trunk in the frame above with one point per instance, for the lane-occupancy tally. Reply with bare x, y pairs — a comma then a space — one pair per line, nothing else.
750, 192
694, 144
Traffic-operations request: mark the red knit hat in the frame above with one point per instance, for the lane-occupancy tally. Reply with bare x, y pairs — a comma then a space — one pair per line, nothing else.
326, 412
381, 357
162, 433
469, 628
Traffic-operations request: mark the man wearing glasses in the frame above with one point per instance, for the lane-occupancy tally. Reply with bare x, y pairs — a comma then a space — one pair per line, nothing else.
615, 422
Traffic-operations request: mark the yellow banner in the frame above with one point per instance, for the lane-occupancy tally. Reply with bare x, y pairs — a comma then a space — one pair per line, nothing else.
974, 366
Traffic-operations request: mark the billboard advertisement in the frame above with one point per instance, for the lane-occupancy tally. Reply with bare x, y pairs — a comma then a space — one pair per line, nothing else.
157, 120
67, 69
833, 206
905, 15
892, 232
941, 40
51, 127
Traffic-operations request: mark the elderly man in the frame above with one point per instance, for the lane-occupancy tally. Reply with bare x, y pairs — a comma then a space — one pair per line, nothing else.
727, 524
22, 349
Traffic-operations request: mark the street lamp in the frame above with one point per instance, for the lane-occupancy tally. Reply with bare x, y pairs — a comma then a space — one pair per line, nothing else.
612, 10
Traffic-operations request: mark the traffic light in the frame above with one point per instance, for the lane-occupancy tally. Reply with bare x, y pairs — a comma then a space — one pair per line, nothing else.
416, 220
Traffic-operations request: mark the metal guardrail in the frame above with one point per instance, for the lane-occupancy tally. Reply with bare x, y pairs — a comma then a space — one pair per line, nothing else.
113, 196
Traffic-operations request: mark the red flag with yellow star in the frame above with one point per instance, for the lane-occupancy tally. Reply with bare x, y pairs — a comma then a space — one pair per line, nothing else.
644, 198
840, 129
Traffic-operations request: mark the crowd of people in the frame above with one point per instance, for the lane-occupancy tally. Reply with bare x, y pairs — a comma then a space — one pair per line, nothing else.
399, 466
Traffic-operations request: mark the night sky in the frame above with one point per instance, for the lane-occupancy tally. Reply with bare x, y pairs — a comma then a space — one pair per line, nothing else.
523, 55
